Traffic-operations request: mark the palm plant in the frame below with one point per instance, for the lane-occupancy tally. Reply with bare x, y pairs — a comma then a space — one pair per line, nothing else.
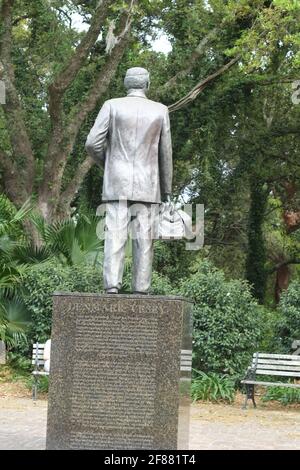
14, 321
14, 317
73, 241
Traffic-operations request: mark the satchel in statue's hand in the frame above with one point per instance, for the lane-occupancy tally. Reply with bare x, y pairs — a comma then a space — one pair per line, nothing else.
169, 224
167, 198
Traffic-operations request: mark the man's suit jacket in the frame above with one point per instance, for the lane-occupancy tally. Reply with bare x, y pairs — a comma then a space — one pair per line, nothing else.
138, 156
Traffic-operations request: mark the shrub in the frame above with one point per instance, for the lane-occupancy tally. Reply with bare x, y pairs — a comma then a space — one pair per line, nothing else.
288, 326
43, 280
284, 395
227, 321
161, 285
212, 387
42, 383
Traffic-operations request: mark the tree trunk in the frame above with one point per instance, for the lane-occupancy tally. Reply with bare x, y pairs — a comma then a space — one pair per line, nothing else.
256, 259
282, 281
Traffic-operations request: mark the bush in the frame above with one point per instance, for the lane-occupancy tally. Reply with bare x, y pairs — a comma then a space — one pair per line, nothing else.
228, 322
42, 383
212, 387
284, 395
288, 327
161, 285
42, 281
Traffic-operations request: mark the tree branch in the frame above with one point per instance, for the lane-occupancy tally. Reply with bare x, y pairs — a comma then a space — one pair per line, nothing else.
283, 263
64, 136
20, 18
11, 179
65, 14
16, 127
102, 82
74, 185
198, 52
192, 95
69, 72
286, 131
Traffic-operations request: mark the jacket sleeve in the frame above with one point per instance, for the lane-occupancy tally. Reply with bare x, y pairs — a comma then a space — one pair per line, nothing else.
96, 140
165, 156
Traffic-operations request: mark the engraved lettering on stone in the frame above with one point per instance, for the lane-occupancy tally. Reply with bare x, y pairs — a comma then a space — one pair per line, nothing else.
108, 335
86, 440
103, 395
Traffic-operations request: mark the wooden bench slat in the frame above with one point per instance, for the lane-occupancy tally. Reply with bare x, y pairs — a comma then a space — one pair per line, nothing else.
278, 356
279, 362
273, 372
270, 384
279, 367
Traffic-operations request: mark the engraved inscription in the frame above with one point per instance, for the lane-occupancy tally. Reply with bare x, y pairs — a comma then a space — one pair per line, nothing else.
115, 372
86, 440
113, 395
118, 306
114, 335
114, 376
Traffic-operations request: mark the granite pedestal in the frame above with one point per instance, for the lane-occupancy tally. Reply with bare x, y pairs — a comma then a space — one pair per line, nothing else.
120, 372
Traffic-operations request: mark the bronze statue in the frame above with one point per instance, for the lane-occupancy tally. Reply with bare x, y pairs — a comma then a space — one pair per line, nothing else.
131, 136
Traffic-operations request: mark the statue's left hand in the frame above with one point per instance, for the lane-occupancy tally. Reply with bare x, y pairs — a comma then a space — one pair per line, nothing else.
167, 198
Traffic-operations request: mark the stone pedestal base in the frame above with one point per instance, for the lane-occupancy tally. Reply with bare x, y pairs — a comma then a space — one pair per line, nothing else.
120, 372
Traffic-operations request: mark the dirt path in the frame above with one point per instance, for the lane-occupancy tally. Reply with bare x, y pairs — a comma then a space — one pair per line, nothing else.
232, 428
271, 426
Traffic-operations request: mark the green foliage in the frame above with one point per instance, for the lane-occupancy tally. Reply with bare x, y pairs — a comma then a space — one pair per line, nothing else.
43, 280
212, 387
11, 218
14, 317
172, 260
74, 241
42, 383
161, 285
288, 326
20, 364
256, 259
227, 321
285, 396
15, 321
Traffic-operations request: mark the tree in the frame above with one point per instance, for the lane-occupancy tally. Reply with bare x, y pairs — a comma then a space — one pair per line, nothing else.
18, 160
46, 64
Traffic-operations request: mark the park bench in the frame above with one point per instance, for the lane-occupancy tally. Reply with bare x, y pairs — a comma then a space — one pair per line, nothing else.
38, 363
272, 365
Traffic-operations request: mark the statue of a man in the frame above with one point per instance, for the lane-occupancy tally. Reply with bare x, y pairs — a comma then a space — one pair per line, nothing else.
131, 135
